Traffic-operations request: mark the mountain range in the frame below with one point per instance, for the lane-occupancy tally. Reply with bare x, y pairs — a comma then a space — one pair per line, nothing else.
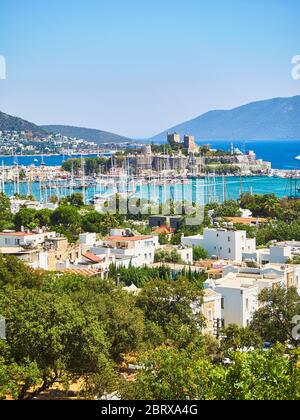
273, 119
88, 134
9, 123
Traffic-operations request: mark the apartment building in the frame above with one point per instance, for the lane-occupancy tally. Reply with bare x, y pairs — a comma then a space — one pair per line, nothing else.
223, 243
43, 250
139, 249
12, 239
239, 299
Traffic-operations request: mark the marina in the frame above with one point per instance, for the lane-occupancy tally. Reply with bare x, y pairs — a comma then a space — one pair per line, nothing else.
155, 190
148, 176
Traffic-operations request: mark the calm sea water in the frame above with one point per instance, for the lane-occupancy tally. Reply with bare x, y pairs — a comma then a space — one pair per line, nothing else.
282, 154
37, 160
193, 191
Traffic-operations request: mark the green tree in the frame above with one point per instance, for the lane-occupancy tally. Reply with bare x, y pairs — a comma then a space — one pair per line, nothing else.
172, 257
75, 199
6, 215
237, 338
199, 253
273, 321
61, 343
53, 199
123, 322
171, 374
14, 272
187, 374
26, 218
259, 375
169, 305
92, 222
44, 217
67, 217
230, 208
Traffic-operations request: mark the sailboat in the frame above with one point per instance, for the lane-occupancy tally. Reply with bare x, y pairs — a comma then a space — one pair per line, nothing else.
42, 161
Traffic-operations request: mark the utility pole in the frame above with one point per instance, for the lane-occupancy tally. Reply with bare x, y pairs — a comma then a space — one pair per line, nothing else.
218, 327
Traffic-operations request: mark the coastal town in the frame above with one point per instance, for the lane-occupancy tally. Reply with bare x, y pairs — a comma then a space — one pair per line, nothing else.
18, 143
149, 204
236, 269
87, 220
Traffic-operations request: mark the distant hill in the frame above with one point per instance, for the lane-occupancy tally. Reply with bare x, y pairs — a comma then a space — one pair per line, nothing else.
9, 123
274, 119
88, 134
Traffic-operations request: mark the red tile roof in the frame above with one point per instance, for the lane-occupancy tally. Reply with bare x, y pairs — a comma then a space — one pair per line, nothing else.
17, 234
92, 257
164, 230
128, 238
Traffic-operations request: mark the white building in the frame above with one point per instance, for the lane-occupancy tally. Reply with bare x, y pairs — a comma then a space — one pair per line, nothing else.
240, 288
30, 239
122, 248
17, 204
239, 299
33, 258
275, 255
268, 275
223, 243
185, 253
211, 310
140, 250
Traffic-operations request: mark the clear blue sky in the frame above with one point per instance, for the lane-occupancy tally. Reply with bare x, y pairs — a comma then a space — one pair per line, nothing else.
136, 67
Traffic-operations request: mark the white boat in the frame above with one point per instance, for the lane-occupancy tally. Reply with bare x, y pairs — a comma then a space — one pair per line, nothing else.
102, 198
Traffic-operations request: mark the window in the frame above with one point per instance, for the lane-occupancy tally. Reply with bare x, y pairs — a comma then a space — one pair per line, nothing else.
6, 241
229, 250
223, 303
229, 239
247, 304
210, 315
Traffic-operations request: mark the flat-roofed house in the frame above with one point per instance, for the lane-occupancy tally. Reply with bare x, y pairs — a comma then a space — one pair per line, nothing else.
223, 243
239, 299
211, 310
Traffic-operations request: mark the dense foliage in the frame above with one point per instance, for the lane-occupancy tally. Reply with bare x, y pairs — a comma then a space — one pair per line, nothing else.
64, 328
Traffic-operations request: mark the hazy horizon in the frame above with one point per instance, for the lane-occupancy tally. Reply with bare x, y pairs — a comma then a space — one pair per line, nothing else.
137, 69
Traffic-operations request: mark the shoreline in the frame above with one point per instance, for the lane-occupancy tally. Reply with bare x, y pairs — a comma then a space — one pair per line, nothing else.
49, 155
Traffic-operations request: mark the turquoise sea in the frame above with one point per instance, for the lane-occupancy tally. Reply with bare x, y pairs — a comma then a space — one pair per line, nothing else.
282, 154
192, 191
